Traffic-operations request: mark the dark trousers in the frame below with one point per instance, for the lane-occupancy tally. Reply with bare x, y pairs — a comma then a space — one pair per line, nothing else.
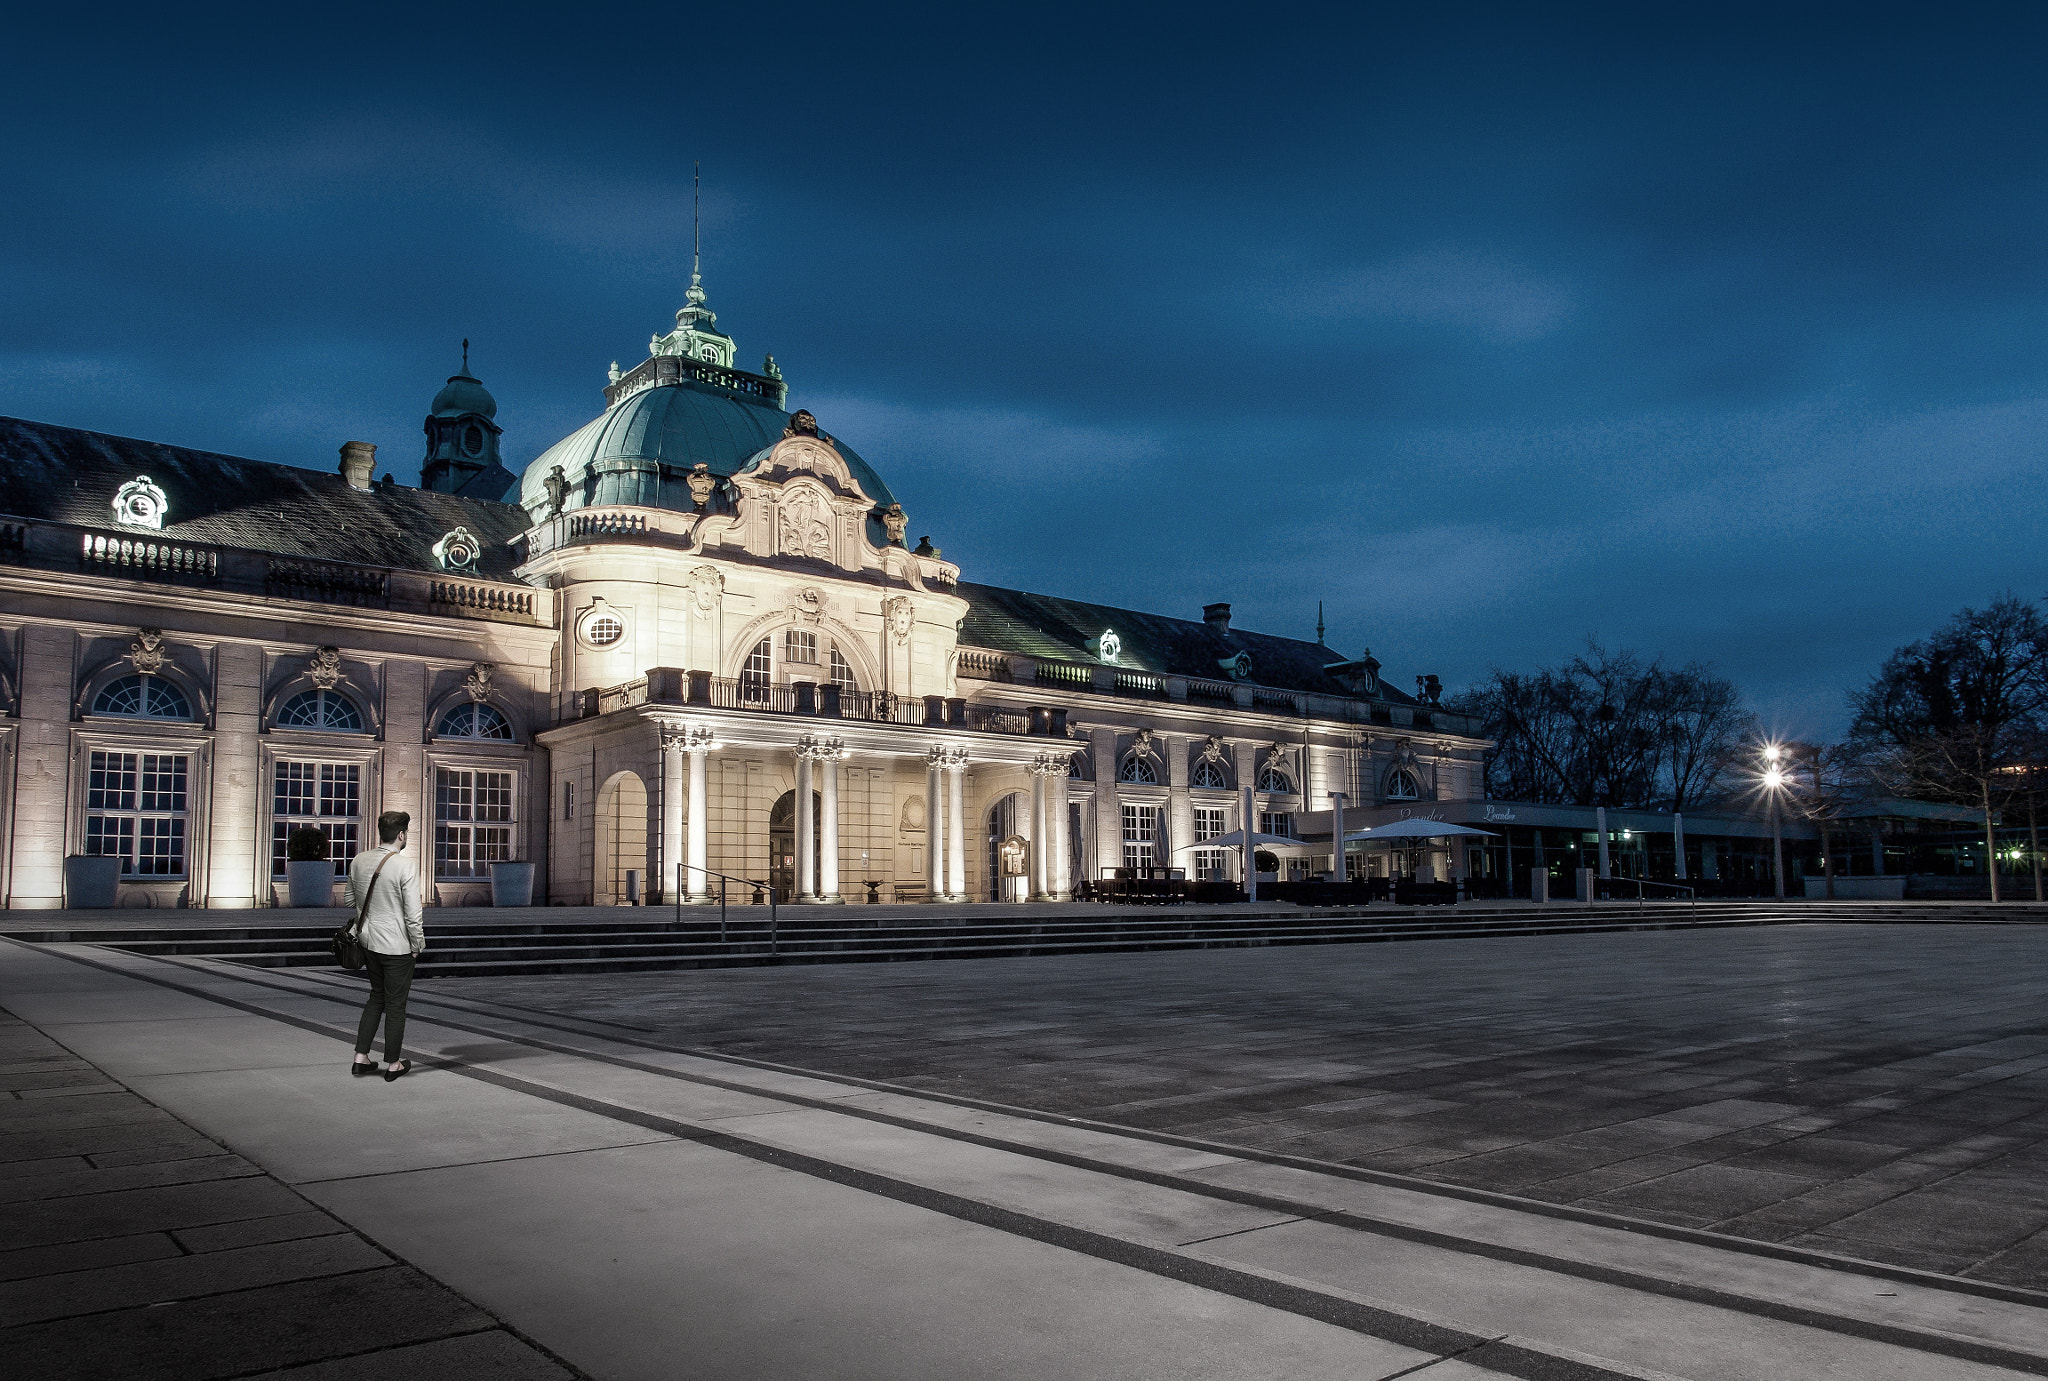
390, 984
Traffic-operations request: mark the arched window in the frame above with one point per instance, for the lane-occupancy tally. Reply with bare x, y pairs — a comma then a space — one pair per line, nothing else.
842, 672
144, 697
473, 720
1138, 768
754, 676
1077, 768
1271, 778
321, 709
1209, 774
1402, 786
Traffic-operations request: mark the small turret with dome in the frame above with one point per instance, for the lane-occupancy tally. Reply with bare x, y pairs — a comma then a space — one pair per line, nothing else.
462, 440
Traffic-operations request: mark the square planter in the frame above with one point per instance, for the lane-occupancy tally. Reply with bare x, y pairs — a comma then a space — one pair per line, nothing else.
93, 882
511, 884
309, 882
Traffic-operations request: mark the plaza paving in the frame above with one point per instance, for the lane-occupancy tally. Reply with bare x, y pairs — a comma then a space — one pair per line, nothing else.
201, 1191
1875, 1091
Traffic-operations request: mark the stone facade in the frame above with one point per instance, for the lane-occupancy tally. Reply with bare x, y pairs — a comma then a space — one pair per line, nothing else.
635, 697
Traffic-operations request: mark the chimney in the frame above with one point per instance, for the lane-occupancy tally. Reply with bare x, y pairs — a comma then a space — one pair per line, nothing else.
358, 459
1217, 616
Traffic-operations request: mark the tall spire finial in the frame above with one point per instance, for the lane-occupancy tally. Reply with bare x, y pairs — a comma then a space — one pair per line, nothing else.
696, 222
465, 354
1319, 622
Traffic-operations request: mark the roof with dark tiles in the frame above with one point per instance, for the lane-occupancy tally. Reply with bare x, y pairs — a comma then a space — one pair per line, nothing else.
66, 475
1061, 630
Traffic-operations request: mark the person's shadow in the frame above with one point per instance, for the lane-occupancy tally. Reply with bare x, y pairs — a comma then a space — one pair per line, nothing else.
489, 1053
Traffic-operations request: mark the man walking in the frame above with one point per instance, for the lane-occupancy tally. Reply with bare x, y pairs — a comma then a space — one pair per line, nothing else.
392, 935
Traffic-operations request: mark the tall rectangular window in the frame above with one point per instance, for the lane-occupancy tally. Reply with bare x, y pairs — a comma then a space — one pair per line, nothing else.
1141, 836
1278, 822
800, 647
473, 814
135, 810
324, 795
1209, 863
842, 672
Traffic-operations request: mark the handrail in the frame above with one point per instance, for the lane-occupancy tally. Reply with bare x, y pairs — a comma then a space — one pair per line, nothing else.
1640, 883
774, 937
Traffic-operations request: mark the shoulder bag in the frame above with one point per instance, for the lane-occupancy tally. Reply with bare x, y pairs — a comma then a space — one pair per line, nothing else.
348, 941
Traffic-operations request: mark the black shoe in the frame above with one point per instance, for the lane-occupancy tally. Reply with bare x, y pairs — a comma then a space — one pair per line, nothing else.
404, 1068
362, 1067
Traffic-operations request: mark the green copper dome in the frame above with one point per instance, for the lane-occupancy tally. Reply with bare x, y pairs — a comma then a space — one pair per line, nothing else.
464, 394
640, 449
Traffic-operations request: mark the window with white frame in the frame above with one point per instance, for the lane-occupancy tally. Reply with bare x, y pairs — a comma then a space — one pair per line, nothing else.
1278, 822
757, 675
1208, 773
321, 709
1141, 836
800, 647
842, 672
1209, 863
1138, 768
473, 817
1271, 778
1402, 785
143, 697
135, 811
328, 796
474, 720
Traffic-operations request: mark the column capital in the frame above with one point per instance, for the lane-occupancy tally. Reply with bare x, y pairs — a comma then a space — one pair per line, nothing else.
821, 748
687, 738
1052, 764
951, 756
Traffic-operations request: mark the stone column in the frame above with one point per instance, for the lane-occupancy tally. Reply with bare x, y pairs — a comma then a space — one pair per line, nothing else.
828, 752
698, 747
956, 826
1060, 877
669, 881
935, 821
42, 768
1041, 833
1180, 807
806, 837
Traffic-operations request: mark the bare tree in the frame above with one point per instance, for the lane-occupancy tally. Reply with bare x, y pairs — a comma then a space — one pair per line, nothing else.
1609, 729
1958, 716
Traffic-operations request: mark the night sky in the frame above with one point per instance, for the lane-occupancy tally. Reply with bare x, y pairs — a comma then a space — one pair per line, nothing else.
1723, 341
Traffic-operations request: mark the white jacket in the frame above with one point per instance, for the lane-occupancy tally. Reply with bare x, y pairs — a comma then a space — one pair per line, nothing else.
394, 924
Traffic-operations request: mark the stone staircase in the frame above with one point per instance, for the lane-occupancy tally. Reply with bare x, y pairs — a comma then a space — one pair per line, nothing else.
841, 935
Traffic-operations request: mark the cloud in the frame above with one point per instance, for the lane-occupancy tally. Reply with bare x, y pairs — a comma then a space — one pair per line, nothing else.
1484, 295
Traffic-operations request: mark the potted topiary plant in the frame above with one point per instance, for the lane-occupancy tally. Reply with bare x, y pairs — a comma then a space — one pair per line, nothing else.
309, 876
1266, 863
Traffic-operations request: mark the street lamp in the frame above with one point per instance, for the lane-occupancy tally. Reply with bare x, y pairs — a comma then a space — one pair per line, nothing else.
1774, 784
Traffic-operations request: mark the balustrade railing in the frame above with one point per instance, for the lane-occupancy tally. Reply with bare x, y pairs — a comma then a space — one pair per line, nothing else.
607, 524
1065, 674
624, 697
147, 558
327, 584
985, 666
1214, 692
488, 598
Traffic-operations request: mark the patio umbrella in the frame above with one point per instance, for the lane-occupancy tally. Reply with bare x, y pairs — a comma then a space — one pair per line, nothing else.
1272, 843
1416, 829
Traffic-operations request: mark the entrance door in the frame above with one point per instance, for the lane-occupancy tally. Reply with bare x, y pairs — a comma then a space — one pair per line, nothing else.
1002, 823
621, 839
782, 840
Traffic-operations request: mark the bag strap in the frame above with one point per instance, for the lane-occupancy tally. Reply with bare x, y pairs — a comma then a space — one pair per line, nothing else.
364, 910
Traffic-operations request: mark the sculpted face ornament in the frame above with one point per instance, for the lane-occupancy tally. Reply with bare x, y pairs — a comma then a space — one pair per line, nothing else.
801, 423
141, 503
325, 670
146, 653
701, 482
478, 682
807, 606
707, 587
902, 618
1212, 750
458, 551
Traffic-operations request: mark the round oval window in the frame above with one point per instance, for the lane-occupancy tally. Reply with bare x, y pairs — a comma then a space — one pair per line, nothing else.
473, 439
602, 630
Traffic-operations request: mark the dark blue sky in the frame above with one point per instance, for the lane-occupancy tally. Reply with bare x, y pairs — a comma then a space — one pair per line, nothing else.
1723, 338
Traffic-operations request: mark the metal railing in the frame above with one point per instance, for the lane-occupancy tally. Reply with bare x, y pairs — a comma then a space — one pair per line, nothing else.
1603, 889
759, 885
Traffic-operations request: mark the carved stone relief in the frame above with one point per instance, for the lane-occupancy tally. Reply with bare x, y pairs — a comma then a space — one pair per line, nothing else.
146, 653
325, 670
